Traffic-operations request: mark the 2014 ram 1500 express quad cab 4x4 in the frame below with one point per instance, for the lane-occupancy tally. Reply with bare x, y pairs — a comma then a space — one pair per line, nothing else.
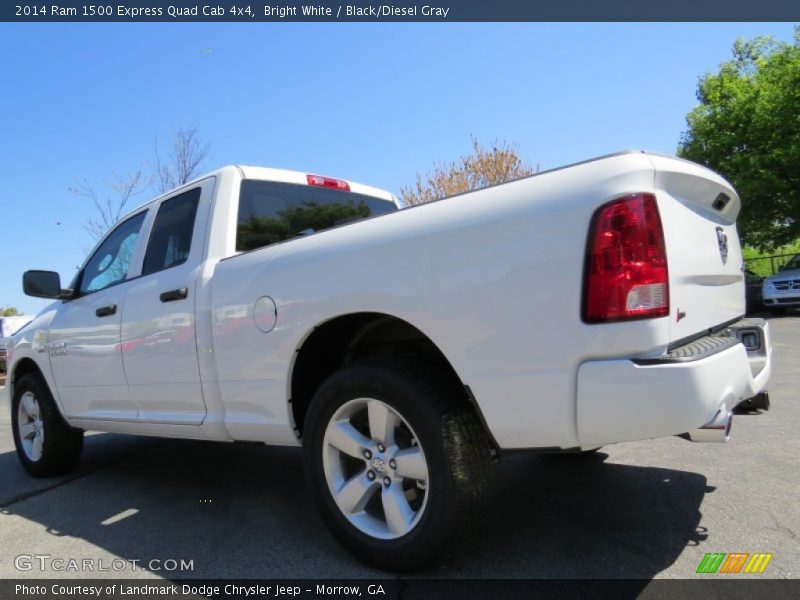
403, 349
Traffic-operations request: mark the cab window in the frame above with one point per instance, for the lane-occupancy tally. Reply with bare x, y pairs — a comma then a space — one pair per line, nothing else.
271, 212
109, 264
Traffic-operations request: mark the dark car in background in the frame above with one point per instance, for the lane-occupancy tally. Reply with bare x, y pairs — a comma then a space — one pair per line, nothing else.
754, 296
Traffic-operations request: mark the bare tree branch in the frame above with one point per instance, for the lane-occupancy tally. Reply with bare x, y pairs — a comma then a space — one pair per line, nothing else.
187, 154
479, 169
111, 207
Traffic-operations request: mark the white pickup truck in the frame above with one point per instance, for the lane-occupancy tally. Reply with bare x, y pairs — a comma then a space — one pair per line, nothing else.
403, 349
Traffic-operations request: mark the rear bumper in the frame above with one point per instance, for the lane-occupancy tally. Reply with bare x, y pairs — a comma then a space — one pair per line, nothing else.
622, 400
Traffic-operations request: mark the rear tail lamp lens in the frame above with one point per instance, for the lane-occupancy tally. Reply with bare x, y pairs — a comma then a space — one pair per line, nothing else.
625, 274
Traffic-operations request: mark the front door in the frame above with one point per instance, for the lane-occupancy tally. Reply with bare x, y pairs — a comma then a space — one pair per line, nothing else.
84, 339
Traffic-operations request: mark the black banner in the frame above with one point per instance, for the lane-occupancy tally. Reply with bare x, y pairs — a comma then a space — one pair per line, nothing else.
731, 588
399, 11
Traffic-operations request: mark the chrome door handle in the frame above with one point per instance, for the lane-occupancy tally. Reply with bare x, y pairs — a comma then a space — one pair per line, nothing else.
105, 311
179, 294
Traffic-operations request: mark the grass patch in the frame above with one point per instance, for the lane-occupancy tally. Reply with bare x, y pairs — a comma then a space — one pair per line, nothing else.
752, 253
766, 263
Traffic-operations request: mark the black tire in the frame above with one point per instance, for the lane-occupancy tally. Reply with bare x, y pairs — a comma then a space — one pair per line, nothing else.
758, 402
591, 452
456, 449
777, 311
570, 455
61, 446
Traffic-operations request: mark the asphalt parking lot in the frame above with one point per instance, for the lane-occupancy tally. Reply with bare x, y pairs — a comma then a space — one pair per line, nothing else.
648, 509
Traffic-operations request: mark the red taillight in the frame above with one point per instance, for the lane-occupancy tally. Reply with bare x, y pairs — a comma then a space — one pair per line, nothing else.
328, 182
625, 275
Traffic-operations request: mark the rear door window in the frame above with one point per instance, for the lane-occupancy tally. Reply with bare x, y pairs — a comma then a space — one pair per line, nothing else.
171, 239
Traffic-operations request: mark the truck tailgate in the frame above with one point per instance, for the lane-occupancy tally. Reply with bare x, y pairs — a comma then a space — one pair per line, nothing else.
706, 281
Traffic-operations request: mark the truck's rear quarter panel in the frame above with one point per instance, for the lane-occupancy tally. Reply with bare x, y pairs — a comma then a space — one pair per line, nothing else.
625, 399
492, 277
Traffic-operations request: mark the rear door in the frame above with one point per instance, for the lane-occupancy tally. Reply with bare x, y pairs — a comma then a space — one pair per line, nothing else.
159, 348
706, 268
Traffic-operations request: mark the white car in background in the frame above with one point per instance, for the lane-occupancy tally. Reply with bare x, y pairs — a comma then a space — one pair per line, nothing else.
782, 290
8, 327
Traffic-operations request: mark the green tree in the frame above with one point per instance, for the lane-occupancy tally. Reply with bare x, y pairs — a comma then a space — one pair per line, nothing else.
9, 311
747, 127
479, 169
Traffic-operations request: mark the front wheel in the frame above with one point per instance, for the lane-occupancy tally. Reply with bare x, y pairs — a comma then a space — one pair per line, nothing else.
45, 444
398, 464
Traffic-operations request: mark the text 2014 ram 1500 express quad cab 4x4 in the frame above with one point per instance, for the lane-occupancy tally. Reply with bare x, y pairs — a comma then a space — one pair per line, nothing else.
404, 349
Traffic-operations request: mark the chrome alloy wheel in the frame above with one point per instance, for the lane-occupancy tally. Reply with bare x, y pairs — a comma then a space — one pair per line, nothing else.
31, 426
375, 468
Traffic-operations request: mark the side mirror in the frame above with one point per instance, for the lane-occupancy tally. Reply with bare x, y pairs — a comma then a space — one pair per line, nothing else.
43, 284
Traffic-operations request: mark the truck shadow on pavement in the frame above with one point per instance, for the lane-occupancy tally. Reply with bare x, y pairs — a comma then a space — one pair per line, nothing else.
242, 511
575, 516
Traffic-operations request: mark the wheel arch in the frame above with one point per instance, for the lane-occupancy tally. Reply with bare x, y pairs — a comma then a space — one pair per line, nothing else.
25, 366
356, 336
59, 444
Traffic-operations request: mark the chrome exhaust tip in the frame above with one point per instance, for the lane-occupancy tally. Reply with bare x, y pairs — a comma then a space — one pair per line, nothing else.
718, 430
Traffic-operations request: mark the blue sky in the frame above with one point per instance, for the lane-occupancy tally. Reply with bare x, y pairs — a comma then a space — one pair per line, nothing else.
370, 102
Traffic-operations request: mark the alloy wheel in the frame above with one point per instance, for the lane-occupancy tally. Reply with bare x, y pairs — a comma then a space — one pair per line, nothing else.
31, 426
375, 468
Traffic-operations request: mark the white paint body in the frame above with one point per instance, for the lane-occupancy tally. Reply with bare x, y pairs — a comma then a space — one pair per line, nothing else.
494, 278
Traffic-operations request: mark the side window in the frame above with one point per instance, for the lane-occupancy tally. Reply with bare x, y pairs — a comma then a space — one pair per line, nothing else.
171, 239
109, 264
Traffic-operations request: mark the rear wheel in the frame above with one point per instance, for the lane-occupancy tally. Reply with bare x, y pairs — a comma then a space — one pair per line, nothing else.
45, 444
398, 464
